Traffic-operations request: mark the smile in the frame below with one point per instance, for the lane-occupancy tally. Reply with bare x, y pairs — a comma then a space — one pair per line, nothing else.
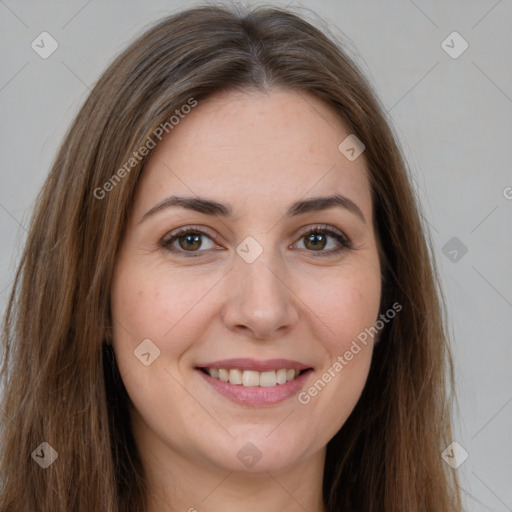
255, 383
252, 378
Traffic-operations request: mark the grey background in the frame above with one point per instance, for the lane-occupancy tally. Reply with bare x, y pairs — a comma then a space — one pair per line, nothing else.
453, 118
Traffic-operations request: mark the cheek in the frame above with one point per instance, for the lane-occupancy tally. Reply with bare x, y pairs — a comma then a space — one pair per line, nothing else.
346, 314
355, 308
147, 303
346, 304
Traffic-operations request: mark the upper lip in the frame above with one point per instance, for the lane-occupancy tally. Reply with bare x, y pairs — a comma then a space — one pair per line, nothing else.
254, 364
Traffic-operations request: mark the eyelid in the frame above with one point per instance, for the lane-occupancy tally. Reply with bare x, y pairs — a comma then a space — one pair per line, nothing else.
345, 243
173, 235
189, 227
323, 228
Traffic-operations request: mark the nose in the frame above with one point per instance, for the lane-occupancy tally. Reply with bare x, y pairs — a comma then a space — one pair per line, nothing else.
260, 301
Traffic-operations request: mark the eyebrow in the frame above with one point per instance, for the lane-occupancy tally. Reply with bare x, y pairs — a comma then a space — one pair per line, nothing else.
210, 207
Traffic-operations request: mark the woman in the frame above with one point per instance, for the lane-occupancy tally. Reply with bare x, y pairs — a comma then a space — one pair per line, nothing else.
226, 300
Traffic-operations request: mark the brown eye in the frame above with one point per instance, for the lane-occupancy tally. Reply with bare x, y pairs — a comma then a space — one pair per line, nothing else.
188, 240
192, 241
315, 241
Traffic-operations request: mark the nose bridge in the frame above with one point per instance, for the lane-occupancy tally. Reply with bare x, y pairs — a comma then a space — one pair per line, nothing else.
260, 300
262, 276
258, 275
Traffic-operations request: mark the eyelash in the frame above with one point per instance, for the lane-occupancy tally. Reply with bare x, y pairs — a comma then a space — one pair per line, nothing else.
344, 242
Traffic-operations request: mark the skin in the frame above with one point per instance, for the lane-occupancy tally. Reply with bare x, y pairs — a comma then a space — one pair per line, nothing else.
257, 152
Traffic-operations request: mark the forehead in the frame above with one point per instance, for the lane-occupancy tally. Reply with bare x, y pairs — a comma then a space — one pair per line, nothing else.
248, 148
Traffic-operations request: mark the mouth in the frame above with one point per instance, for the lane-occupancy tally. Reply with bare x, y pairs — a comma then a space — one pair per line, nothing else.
252, 378
255, 383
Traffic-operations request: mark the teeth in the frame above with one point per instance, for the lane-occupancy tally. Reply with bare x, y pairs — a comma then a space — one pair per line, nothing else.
281, 376
252, 378
235, 377
268, 379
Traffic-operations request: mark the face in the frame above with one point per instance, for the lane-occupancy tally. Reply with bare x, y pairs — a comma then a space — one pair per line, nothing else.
216, 306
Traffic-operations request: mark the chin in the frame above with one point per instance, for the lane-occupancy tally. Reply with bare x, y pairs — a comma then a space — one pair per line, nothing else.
259, 450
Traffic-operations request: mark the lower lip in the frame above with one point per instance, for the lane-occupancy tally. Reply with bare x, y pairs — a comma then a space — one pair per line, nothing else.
257, 396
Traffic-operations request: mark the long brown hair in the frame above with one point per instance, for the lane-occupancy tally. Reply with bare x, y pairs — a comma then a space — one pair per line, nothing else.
61, 384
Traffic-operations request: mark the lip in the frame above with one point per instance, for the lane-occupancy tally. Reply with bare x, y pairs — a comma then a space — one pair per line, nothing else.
257, 396
254, 364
